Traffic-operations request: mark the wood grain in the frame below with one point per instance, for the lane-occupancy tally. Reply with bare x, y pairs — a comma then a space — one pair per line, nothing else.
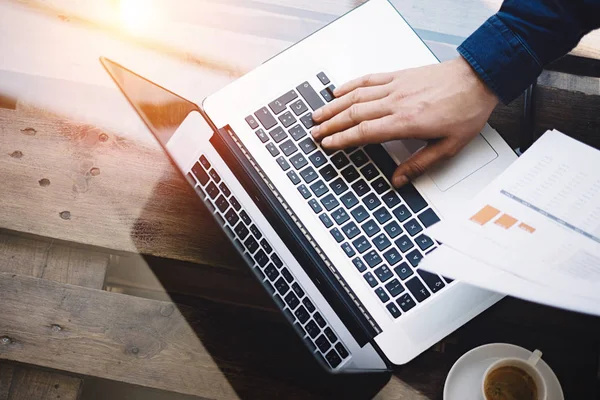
30, 384
6, 376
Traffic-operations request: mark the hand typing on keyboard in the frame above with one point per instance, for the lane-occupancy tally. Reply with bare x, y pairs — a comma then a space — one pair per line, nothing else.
446, 104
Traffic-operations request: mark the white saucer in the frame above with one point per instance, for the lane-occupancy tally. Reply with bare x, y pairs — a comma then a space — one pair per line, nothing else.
464, 379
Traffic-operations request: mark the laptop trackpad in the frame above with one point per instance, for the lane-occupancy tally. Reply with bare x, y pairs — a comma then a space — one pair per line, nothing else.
473, 157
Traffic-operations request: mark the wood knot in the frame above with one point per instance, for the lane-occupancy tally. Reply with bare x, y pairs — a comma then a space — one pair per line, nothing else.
56, 328
95, 171
16, 154
44, 182
103, 137
66, 215
5, 341
134, 350
167, 310
56, 386
28, 131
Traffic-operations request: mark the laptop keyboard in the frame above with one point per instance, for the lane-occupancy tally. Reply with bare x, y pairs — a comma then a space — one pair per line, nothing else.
287, 292
380, 229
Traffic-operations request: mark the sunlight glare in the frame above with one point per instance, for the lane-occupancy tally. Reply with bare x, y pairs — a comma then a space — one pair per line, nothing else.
138, 16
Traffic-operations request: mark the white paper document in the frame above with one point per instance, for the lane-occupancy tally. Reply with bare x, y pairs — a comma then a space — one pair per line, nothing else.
534, 231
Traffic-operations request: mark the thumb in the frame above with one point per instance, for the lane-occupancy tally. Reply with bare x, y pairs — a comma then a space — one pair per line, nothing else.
422, 160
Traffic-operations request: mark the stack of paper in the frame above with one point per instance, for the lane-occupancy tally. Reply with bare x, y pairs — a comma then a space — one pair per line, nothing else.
534, 232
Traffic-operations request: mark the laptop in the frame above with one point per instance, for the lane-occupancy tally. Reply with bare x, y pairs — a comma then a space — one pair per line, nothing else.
333, 244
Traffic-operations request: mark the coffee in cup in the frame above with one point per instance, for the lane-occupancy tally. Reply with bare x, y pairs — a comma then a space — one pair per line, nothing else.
514, 379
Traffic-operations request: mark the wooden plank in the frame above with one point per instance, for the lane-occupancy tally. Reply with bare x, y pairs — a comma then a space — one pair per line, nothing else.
6, 376
43, 258
28, 384
102, 190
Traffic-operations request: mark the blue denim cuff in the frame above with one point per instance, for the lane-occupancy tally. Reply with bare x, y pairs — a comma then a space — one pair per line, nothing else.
501, 58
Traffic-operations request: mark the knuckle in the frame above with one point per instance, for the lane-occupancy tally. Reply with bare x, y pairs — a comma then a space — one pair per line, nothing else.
363, 130
356, 95
367, 79
353, 113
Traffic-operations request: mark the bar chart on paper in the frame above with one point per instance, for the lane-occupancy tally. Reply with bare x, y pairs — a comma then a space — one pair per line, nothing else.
506, 221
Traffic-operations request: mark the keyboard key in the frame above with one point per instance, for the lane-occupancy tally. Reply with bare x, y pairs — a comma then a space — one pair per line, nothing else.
424, 242
265, 245
200, 174
370, 228
326, 220
383, 273
222, 221
297, 132
262, 135
307, 121
406, 302
383, 296
348, 250
349, 200
382, 215
307, 145
265, 118
414, 257
360, 214
433, 282
288, 147
241, 231
308, 174
318, 159
276, 260
298, 161
224, 189
359, 158
311, 97
369, 171
272, 149
382, 159
372, 258
391, 199
271, 272
350, 174
278, 105
283, 163
333, 359
279, 301
417, 289
293, 177
360, 266
214, 175
231, 217
337, 235
204, 161
287, 119
394, 287
269, 287
251, 244
393, 310
392, 256
412, 197
393, 229
370, 279
404, 243
340, 216
291, 300
361, 244
235, 204
316, 207
212, 190
326, 94
338, 186
330, 202
381, 242
371, 201
428, 218
330, 335
350, 230
312, 329
319, 319
304, 191
380, 185
360, 187
251, 121
328, 172
319, 188
323, 78
199, 190
403, 271
308, 304
340, 160
287, 275
402, 213
278, 134
245, 217
413, 227
301, 314
299, 107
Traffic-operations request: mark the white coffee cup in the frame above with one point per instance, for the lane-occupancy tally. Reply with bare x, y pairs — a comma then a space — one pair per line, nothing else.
528, 366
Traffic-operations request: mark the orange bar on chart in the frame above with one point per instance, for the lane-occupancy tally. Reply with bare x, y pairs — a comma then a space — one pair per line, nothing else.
506, 221
485, 215
526, 227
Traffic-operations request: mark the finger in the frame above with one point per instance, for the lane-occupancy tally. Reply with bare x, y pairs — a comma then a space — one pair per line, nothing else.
372, 131
363, 81
353, 115
360, 95
422, 160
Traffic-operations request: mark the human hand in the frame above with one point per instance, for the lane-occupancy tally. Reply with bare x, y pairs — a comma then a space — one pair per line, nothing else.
446, 104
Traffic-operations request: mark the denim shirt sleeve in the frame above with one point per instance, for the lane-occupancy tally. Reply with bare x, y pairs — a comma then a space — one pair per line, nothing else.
510, 49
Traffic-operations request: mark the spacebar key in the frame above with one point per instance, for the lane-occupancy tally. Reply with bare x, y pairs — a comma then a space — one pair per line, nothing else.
311, 97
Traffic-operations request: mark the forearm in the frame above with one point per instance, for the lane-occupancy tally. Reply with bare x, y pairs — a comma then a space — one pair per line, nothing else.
510, 49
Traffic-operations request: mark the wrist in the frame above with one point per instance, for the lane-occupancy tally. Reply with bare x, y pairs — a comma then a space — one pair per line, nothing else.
474, 82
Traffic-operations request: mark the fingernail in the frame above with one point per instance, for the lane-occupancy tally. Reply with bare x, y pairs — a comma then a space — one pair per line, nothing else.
326, 142
400, 180
315, 131
317, 114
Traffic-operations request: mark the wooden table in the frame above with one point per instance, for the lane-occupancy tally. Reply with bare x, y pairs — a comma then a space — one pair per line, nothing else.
114, 280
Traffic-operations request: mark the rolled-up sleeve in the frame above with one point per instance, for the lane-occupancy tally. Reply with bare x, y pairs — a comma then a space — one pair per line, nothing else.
512, 47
